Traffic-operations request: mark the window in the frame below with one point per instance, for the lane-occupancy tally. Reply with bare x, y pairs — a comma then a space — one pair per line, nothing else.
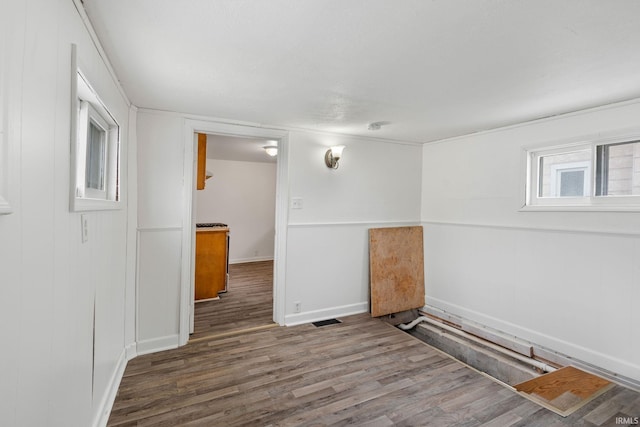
96, 152
618, 172
93, 131
564, 177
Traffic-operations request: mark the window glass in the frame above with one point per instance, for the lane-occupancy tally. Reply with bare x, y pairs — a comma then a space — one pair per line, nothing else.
618, 171
572, 183
96, 157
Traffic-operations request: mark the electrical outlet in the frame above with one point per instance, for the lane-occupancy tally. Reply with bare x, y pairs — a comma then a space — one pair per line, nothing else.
297, 306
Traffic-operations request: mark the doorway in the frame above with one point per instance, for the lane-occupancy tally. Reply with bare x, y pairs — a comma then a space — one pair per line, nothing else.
237, 199
193, 127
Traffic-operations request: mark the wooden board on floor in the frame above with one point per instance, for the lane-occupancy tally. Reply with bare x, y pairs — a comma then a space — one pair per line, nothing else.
564, 390
396, 264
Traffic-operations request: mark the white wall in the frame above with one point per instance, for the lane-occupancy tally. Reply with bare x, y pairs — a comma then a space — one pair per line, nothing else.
377, 184
160, 203
52, 285
569, 281
242, 195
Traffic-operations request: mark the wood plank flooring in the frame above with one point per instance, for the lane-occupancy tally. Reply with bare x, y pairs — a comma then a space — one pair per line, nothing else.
361, 372
247, 304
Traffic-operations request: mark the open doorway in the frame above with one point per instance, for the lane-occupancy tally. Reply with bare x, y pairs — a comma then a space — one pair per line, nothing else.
187, 292
234, 212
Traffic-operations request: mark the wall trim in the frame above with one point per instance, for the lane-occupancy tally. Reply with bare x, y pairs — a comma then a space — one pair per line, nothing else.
568, 230
616, 366
353, 223
327, 313
168, 342
559, 116
253, 259
131, 351
197, 117
106, 404
160, 228
228, 121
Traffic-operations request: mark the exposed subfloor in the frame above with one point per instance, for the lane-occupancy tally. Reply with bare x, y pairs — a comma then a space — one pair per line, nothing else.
359, 372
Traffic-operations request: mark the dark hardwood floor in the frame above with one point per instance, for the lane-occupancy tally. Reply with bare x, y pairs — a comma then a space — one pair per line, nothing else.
362, 372
248, 303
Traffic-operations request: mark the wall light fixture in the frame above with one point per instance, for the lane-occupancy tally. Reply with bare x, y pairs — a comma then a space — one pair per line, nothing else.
332, 156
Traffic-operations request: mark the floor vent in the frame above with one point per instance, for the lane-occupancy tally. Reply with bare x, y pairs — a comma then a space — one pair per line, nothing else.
326, 322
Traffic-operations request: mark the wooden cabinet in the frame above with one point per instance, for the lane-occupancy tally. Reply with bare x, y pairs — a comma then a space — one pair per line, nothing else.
201, 175
211, 262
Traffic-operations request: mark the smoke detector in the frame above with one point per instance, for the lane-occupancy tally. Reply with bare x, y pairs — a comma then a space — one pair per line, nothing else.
376, 125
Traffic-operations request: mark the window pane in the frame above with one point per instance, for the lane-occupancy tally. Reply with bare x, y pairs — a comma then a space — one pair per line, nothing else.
95, 157
572, 183
619, 169
565, 174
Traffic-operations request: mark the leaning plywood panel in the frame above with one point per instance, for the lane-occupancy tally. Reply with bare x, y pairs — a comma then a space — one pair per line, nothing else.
397, 269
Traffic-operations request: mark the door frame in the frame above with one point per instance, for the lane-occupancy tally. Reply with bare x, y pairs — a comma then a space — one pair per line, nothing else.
191, 128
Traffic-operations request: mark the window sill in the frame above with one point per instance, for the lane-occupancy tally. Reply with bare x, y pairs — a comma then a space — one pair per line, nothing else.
83, 205
580, 208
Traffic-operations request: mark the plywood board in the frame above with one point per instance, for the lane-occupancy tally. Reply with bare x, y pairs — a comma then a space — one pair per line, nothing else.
565, 390
396, 263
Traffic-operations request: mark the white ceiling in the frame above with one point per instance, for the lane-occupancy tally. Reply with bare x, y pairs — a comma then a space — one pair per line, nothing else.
224, 147
433, 69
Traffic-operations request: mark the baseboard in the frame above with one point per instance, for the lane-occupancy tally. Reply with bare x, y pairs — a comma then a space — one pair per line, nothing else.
105, 406
329, 313
131, 351
253, 259
546, 346
157, 344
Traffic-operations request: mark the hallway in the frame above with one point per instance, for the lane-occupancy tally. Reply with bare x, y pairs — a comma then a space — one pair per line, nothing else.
247, 305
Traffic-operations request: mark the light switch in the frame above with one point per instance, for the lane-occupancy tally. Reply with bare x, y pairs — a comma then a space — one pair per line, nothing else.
296, 203
84, 221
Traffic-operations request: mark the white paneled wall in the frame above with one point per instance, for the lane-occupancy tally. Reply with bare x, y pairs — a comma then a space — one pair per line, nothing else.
569, 281
160, 205
56, 292
158, 294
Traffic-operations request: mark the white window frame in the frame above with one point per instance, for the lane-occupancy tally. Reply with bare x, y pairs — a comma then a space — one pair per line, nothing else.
557, 171
591, 202
87, 108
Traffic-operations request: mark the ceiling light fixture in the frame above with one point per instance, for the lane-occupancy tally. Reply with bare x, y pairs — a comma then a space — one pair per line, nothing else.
332, 156
271, 150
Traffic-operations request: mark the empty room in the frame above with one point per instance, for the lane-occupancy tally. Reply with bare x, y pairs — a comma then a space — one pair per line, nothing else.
327, 213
